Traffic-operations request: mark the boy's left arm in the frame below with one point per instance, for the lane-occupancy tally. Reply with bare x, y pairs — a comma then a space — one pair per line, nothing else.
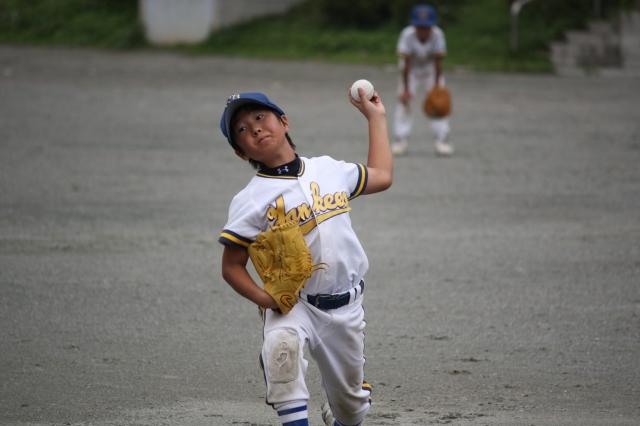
380, 159
438, 68
234, 272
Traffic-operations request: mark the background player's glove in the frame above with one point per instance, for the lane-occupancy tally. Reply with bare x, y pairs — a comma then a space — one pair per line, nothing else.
282, 259
437, 104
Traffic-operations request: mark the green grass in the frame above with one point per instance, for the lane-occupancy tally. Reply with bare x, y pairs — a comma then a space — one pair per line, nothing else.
477, 40
478, 37
480, 40
111, 24
288, 38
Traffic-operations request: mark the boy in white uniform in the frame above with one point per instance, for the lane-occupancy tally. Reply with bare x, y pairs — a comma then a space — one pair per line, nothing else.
421, 49
316, 192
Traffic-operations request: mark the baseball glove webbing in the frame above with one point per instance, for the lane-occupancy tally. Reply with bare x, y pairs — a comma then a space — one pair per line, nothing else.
283, 261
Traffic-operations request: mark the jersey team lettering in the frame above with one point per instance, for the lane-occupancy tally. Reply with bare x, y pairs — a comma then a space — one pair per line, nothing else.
324, 207
315, 201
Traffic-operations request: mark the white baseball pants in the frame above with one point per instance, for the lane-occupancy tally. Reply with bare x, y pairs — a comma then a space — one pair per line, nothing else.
419, 85
335, 340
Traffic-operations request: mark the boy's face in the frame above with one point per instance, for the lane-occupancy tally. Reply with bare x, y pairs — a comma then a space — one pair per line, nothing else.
423, 33
261, 134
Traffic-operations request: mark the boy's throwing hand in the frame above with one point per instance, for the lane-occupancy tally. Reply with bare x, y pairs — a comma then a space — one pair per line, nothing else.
379, 159
369, 108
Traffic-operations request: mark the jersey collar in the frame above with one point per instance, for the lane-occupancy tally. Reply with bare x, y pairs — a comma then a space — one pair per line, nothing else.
290, 170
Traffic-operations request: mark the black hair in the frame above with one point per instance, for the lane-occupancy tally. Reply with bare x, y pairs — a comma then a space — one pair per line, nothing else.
250, 108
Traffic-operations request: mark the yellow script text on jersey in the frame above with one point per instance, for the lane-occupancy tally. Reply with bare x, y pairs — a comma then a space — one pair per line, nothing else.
324, 207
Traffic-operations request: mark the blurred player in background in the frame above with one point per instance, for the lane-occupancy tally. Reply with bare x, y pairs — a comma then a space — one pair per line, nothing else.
421, 49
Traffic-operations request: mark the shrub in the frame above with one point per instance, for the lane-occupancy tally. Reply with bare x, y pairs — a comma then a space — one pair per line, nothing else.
374, 13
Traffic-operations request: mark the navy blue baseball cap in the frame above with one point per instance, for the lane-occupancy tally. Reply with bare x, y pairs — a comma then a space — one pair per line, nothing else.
238, 100
423, 15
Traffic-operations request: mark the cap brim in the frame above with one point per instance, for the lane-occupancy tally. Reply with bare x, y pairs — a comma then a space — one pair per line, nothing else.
419, 23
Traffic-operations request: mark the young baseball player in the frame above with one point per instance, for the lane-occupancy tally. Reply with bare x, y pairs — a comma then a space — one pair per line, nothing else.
317, 192
421, 49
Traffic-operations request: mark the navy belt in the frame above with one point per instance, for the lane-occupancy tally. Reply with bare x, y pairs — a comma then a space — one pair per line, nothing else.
335, 301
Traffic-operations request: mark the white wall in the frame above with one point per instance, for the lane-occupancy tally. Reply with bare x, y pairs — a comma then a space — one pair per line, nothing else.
191, 21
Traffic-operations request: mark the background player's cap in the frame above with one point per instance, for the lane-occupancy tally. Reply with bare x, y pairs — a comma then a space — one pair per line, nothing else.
239, 99
423, 15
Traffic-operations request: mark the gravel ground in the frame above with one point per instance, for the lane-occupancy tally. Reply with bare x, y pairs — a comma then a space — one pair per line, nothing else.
504, 281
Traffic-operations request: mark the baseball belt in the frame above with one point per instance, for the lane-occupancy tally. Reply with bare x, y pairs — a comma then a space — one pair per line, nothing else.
326, 302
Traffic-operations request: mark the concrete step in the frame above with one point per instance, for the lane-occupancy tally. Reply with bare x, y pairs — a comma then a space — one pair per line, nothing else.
629, 63
630, 47
569, 71
582, 38
603, 45
618, 72
632, 56
630, 50
630, 24
631, 19
603, 29
563, 55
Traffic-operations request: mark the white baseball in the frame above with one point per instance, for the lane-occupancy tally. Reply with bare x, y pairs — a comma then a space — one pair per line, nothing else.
364, 85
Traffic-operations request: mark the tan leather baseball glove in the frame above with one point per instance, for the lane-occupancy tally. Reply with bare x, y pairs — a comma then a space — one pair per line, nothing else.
282, 259
437, 104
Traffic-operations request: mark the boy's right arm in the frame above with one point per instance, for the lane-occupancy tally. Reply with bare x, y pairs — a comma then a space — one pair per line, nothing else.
405, 95
234, 271
379, 160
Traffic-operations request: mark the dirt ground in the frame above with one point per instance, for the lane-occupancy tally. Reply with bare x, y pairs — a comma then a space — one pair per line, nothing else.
504, 286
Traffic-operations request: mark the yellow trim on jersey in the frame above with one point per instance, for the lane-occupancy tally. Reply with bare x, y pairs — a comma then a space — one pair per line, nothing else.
363, 175
308, 226
230, 237
276, 177
305, 227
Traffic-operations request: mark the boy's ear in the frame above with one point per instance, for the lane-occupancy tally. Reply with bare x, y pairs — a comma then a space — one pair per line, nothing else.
285, 122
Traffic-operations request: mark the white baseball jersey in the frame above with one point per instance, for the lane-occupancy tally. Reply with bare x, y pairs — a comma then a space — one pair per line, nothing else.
318, 197
422, 54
